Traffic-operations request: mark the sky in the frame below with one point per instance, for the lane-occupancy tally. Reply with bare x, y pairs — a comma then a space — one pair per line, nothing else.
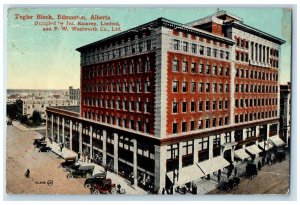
39, 59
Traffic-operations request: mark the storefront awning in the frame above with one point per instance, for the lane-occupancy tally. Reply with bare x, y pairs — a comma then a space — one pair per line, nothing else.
213, 165
186, 175
277, 141
266, 144
240, 153
253, 149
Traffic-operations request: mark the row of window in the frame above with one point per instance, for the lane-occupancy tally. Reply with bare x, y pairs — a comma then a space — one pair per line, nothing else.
118, 69
243, 43
254, 116
243, 103
209, 87
241, 56
121, 122
191, 106
245, 88
274, 63
135, 47
200, 49
201, 124
118, 104
199, 68
124, 87
260, 75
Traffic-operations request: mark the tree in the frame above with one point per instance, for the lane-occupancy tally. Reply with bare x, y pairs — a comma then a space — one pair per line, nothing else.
12, 111
36, 117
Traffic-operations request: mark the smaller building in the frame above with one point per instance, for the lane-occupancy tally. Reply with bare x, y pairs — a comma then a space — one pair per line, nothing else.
74, 94
285, 112
27, 106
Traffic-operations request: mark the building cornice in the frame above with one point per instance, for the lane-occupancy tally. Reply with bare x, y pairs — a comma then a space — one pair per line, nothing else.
160, 22
252, 30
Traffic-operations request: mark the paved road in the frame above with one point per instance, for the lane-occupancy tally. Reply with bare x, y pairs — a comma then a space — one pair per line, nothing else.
272, 179
21, 155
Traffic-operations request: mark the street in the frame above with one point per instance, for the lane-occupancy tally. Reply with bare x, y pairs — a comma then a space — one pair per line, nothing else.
44, 170
272, 179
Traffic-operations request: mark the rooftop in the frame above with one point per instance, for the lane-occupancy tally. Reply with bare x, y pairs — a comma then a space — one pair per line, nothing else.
69, 108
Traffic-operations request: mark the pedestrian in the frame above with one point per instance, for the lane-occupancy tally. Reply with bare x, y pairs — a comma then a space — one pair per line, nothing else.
119, 188
61, 147
132, 179
27, 173
78, 155
259, 165
163, 191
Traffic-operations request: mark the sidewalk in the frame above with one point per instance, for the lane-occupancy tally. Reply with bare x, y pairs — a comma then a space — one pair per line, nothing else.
56, 149
131, 190
21, 127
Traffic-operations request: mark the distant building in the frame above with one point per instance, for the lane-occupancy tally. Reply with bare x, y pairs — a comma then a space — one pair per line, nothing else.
285, 112
27, 106
74, 94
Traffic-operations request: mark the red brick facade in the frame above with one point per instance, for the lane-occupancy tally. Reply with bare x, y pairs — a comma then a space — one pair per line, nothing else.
220, 78
100, 95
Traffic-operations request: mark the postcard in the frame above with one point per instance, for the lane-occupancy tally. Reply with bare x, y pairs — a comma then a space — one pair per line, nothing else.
138, 101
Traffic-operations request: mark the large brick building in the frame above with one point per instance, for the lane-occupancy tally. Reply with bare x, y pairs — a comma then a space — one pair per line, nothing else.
166, 99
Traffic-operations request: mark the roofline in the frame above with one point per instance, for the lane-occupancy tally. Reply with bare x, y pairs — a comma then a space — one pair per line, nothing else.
256, 31
156, 23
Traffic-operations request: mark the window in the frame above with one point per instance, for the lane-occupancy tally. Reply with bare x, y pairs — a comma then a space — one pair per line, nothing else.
226, 88
207, 123
175, 86
175, 107
184, 87
146, 107
207, 69
214, 105
214, 122
200, 107
175, 128
185, 46
193, 87
147, 86
220, 88
207, 87
175, 66
201, 51
194, 48
176, 44
207, 105
125, 87
215, 52
193, 67
131, 106
227, 55
139, 86
200, 126
184, 67
139, 106
220, 105
183, 127
214, 87
192, 124
183, 106
208, 51
192, 106
221, 54
201, 68
214, 72
200, 87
